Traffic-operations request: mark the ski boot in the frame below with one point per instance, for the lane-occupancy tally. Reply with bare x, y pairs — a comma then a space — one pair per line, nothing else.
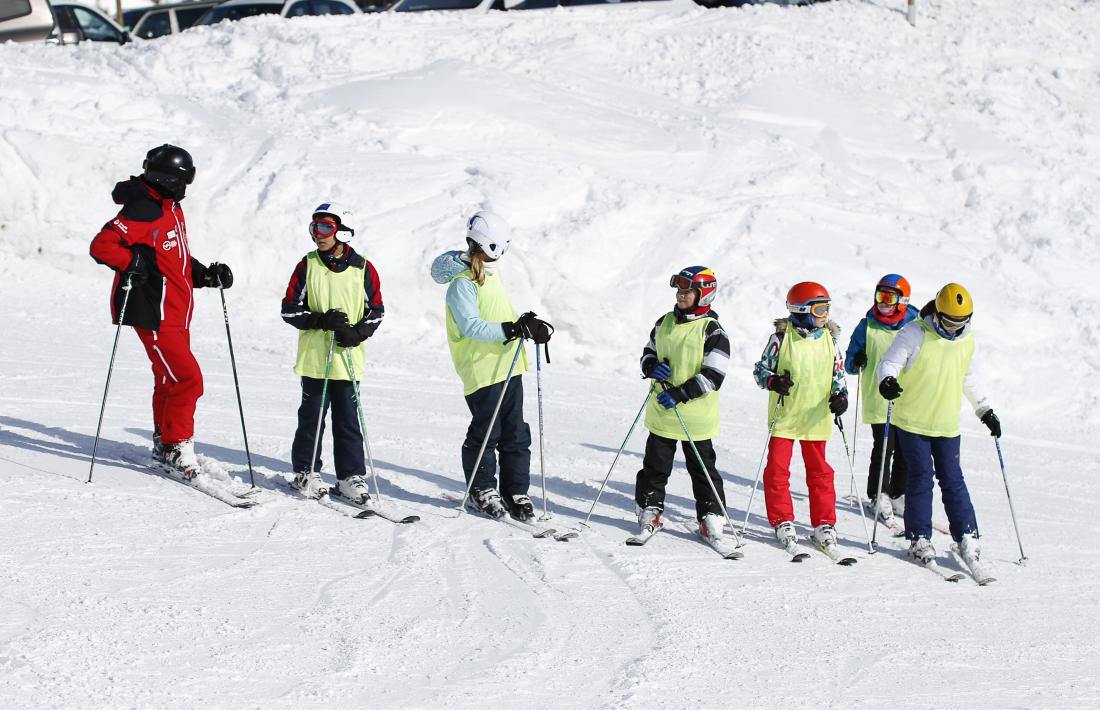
179, 460
883, 508
157, 452
649, 520
712, 527
520, 507
825, 536
785, 534
922, 551
489, 502
354, 489
309, 484
898, 504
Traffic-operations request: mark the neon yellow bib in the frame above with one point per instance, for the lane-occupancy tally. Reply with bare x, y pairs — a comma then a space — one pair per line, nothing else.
327, 289
805, 412
933, 386
878, 342
480, 363
681, 344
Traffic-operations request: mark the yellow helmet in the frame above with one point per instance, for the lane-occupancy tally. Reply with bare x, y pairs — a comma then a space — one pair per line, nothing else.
954, 301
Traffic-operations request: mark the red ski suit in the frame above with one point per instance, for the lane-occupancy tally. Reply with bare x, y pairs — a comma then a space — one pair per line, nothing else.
160, 308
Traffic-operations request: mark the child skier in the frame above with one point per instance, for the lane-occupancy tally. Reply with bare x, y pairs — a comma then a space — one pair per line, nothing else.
925, 372
803, 367
482, 330
146, 245
870, 339
334, 299
687, 353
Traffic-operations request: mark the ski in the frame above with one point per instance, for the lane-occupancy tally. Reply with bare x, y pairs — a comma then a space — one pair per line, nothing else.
832, 553
896, 527
322, 500
978, 571
200, 483
537, 531
797, 554
945, 574
644, 536
369, 510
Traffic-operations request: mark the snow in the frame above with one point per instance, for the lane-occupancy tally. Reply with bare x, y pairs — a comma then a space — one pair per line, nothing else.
832, 143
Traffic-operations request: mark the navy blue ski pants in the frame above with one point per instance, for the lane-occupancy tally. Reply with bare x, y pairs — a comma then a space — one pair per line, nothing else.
928, 456
347, 439
510, 438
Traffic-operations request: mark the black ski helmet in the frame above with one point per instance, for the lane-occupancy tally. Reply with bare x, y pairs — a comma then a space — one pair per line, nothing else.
170, 169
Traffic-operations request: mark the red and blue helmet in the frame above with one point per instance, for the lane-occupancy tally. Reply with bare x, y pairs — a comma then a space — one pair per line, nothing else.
700, 279
893, 290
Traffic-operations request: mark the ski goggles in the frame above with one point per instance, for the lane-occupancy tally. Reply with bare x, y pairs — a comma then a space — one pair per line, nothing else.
952, 325
819, 309
888, 297
684, 283
322, 228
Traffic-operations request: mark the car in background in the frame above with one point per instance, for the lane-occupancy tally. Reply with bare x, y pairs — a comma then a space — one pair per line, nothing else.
234, 10
80, 23
486, 5
160, 20
25, 20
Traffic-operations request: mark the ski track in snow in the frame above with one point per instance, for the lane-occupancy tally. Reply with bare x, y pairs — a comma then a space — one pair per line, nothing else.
831, 142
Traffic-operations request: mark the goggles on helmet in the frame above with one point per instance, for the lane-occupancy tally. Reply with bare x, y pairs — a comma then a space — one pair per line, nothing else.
818, 309
952, 325
889, 297
685, 283
322, 228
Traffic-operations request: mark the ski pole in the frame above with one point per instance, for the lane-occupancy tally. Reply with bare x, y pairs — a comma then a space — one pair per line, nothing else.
911, 13
542, 461
237, 386
882, 467
629, 433
321, 411
851, 468
699, 458
760, 466
489, 431
362, 423
1011, 509
110, 368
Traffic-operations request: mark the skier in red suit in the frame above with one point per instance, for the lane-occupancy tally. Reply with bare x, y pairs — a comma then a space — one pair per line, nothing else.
146, 245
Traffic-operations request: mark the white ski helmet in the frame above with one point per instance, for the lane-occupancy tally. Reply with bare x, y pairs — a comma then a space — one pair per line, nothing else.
489, 233
342, 215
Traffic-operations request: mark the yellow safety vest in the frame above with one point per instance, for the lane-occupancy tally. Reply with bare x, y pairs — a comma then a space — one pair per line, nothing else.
933, 385
480, 363
878, 342
805, 412
326, 289
681, 344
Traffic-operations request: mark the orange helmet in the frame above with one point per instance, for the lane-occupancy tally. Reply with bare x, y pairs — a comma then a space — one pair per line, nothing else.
808, 297
893, 290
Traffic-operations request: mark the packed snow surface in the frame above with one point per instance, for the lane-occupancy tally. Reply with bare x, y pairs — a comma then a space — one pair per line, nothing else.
834, 143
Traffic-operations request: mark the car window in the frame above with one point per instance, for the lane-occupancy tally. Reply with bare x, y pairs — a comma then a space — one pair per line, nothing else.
130, 17
531, 5
422, 5
373, 5
239, 12
155, 24
95, 27
65, 20
11, 9
187, 16
300, 9
331, 7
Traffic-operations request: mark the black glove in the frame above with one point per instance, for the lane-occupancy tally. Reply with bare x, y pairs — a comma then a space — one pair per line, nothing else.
217, 276
859, 359
781, 384
889, 388
332, 319
528, 327
348, 336
990, 420
138, 270
838, 404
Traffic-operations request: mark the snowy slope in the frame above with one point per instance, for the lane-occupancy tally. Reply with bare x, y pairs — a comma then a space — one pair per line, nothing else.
832, 143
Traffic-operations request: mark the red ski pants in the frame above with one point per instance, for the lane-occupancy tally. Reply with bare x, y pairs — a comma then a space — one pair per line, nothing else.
177, 382
819, 480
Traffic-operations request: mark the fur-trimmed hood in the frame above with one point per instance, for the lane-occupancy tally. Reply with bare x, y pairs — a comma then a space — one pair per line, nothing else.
781, 325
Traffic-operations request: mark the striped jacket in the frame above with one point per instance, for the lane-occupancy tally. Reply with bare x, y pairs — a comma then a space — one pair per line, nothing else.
296, 301
716, 356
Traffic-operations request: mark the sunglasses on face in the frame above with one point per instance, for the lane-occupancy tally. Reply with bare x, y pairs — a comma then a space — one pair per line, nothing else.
322, 228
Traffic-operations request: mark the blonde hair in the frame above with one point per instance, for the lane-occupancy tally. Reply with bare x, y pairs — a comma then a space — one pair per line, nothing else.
477, 267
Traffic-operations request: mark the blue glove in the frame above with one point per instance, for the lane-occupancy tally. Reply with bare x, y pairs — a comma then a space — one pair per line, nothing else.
661, 372
669, 398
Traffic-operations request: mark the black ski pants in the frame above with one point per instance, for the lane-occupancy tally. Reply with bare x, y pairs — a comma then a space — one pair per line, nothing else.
896, 472
347, 439
510, 438
649, 491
